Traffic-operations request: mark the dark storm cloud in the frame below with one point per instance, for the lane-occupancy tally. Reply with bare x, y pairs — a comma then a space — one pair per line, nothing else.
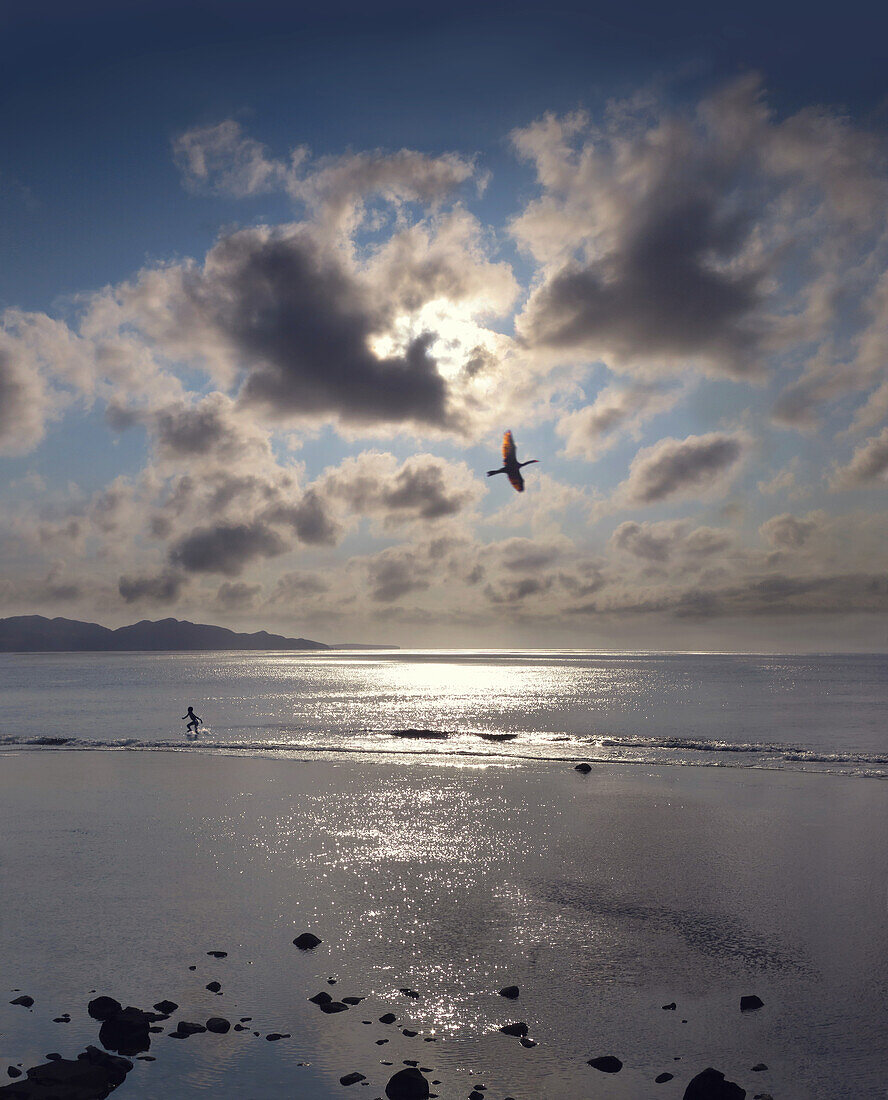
225, 548
300, 323
676, 466
310, 520
659, 293
161, 588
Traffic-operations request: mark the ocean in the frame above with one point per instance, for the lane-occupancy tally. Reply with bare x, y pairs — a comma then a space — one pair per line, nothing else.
822, 713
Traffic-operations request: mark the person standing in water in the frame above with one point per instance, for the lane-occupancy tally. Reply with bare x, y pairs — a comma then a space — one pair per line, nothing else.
193, 722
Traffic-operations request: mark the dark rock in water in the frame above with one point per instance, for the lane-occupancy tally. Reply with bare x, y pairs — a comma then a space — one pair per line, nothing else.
155, 1030
218, 954
240, 1027
321, 998
584, 768
669, 1007
273, 1036
510, 991
436, 735
475, 1095
388, 1018
407, 1084
91, 1076
103, 1007
514, 1029
25, 1001
750, 1004
167, 1007
498, 736
333, 1006
711, 1085
13, 1071
410, 993
331, 981
218, 1025
192, 968
306, 941
763, 1096
758, 1067
213, 987
63, 1019
184, 1028
409, 1033
352, 1078
662, 1078
145, 1058
126, 1031
607, 1063
352, 1000
525, 1042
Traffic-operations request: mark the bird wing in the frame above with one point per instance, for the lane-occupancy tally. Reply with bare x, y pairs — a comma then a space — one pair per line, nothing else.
516, 480
508, 449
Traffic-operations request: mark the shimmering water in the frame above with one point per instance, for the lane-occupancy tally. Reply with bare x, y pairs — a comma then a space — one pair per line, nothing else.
824, 713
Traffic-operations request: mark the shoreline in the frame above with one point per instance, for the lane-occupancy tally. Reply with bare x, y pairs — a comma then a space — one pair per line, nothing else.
604, 898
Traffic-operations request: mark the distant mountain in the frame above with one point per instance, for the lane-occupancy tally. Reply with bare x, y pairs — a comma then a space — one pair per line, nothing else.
36, 634
362, 645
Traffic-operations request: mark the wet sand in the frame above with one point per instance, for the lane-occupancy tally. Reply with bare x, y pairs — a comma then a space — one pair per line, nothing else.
602, 897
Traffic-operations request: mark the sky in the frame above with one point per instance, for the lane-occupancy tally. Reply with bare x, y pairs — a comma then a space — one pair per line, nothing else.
275, 279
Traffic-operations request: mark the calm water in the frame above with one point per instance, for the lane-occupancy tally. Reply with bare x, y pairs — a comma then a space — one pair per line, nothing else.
823, 713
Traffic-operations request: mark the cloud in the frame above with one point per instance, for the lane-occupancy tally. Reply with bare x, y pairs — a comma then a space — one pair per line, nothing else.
590, 431
299, 586
160, 588
309, 518
674, 468
395, 572
237, 595
25, 399
221, 159
789, 532
661, 542
225, 548
868, 465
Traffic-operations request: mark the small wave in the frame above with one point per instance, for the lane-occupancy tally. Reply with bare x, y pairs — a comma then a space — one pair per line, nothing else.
691, 744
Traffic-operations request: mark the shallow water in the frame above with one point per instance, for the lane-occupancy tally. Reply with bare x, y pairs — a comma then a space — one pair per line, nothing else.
603, 897
823, 713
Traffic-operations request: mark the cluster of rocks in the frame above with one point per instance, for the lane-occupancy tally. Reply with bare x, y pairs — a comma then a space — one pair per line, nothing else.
127, 1032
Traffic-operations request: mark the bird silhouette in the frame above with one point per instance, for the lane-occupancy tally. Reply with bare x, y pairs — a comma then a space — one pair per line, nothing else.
511, 467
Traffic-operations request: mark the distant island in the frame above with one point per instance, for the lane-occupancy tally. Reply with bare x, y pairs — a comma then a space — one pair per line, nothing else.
37, 634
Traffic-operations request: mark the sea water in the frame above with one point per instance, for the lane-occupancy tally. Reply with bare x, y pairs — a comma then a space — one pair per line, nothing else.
822, 712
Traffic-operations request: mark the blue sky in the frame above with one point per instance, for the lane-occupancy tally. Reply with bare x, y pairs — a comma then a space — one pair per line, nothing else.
250, 255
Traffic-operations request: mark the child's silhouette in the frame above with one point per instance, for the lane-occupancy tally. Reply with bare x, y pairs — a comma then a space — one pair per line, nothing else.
193, 722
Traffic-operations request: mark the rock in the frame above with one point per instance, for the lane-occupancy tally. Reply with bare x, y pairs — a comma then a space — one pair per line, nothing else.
518, 1029
184, 1028
711, 1085
583, 768
192, 968
670, 1007
240, 1027
525, 1042
758, 1067
273, 1036
352, 1000
25, 1001
218, 1025
103, 1007
213, 987
751, 1004
352, 1078
166, 1007
218, 954
321, 998
607, 1063
12, 1071
126, 1031
407, 1084
763, 1096
510, 992
388, 1018
662, 1078
410, 993
333, 1006
475, 1095
306, 941
92, 1075
409, 1033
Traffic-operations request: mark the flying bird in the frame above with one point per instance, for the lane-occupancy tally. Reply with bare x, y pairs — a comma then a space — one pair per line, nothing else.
511, 467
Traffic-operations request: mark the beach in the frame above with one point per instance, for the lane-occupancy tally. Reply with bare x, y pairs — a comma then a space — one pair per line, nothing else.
603, 897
